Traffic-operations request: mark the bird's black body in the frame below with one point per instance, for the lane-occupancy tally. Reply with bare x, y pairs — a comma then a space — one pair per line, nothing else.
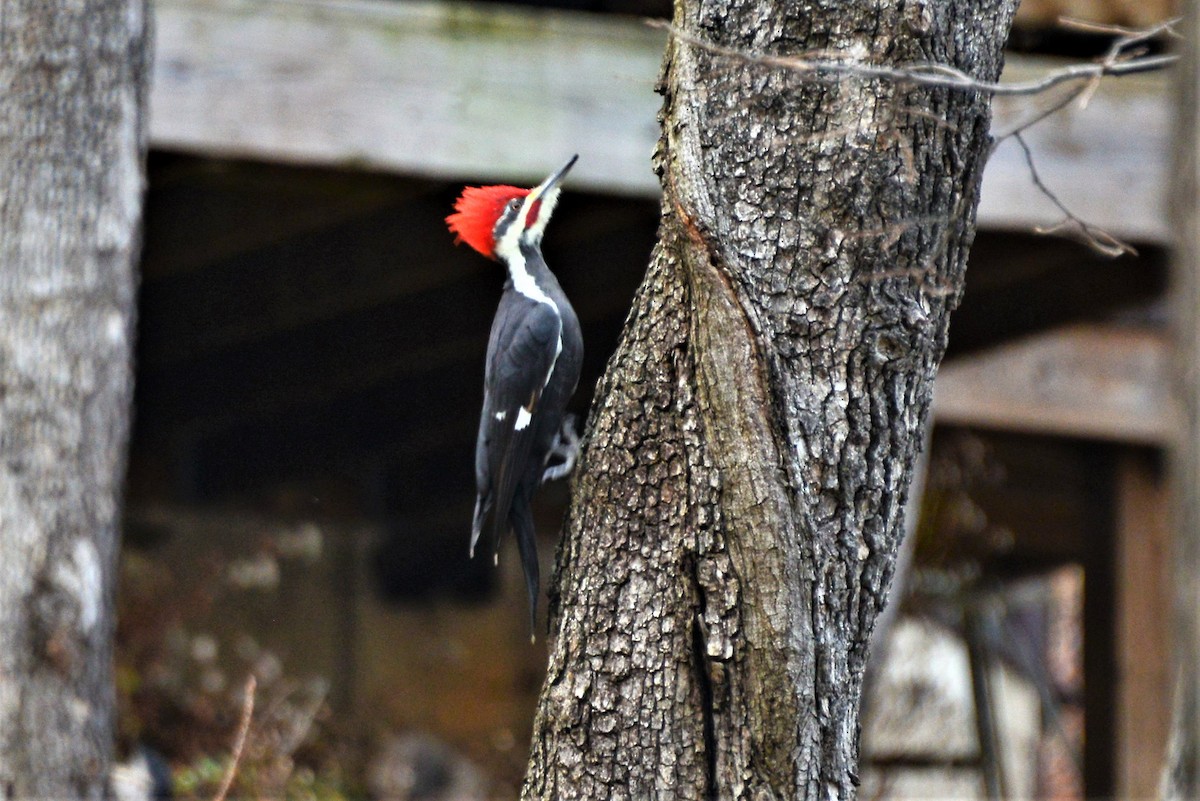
522, 351
533, 361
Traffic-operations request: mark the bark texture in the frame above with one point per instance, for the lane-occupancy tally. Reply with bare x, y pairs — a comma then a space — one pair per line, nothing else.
736, 513
71, 174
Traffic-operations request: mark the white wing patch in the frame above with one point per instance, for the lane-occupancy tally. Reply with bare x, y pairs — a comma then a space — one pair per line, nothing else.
523, 418
557, 353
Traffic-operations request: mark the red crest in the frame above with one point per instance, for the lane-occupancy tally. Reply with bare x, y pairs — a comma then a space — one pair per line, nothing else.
476, 212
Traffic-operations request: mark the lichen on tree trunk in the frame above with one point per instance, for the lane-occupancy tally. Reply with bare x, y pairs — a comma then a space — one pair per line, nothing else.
736, 512
72, 146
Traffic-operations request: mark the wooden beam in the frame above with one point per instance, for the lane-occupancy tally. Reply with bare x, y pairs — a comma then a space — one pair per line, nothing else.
1182, 767
1100, 668
426, 88
1143, 614
451, 90
1087, 381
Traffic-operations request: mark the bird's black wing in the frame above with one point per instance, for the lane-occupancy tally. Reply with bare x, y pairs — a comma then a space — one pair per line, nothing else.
525, 344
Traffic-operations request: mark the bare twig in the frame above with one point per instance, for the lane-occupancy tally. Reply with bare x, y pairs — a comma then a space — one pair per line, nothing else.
1123, 50
893, 231
1087, 26
1096, 238
1125, 56
913, 111
239, 743
832, 65
925, 277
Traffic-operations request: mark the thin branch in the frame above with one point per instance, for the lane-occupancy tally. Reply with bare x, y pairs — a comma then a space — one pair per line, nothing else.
1096, 238
831, 66
1121, 51
239, 743
1125, 56
1088, 26
891, 232
925, 277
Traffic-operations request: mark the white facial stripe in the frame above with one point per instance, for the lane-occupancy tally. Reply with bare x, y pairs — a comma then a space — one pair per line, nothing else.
508, 246
523, 418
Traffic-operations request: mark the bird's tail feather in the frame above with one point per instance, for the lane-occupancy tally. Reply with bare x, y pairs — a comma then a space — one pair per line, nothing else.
482, 505
522, 523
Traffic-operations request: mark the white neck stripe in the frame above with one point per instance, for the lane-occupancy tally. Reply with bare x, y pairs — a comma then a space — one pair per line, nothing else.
509, 249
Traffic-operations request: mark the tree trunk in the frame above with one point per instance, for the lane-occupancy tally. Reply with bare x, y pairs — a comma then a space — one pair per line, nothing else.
71, 173
736, 513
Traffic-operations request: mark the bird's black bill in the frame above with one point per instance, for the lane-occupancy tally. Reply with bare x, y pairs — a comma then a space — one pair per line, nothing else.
553, 180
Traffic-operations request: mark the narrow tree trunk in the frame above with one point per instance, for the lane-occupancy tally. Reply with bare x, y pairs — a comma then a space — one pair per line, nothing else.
73, 74
735, 518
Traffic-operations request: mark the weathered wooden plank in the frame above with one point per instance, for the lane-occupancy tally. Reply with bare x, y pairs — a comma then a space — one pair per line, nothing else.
1084, 381
435, 89
495, 93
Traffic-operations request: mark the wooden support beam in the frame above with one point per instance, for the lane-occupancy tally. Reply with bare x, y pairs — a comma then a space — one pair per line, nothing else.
1141, 567
1142, 14
1100, 669
1182, 776
425, 88
1087, 381
454, 90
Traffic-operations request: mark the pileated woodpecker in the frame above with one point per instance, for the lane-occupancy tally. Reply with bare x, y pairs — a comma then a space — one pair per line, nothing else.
533, 360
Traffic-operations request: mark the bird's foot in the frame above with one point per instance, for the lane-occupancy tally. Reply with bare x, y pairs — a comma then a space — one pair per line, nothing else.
566, 449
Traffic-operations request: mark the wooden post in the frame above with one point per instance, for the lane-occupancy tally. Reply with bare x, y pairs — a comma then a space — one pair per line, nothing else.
1142, 643
1183, 778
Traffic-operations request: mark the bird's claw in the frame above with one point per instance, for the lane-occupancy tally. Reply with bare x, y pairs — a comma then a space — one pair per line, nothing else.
566, 448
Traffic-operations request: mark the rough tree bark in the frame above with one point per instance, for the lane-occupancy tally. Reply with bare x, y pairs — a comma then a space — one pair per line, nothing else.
736, 513
71, 174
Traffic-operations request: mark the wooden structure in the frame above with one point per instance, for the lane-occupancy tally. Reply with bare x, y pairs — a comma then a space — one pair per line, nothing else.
1183, 779
296, 270
445, 90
